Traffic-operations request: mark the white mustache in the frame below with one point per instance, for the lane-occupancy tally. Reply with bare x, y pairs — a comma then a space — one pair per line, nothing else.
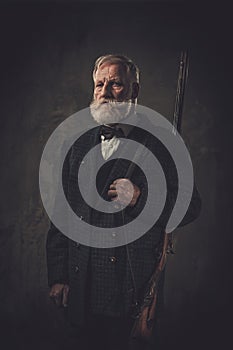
106, 111
111, 102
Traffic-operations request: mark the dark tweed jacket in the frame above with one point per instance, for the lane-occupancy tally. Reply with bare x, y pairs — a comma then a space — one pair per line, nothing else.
95, 279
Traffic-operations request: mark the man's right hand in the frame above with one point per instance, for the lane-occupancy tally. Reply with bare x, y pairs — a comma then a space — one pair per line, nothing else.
59, 294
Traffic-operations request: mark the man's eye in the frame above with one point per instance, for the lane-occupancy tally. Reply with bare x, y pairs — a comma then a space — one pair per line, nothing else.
99, 85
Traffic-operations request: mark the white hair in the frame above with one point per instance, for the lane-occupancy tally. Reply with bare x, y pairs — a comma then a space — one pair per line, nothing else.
131, 68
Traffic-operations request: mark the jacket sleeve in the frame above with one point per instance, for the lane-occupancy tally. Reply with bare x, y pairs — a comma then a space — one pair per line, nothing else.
194, 208
57, 256
57, 244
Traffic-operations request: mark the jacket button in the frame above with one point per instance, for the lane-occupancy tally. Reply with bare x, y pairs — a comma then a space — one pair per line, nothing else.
112, 259
76, 269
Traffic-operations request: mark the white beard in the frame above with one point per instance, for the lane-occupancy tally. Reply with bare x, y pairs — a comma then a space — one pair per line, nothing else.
110, 112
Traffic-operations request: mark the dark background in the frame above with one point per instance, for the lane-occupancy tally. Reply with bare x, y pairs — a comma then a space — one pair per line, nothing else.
47, 53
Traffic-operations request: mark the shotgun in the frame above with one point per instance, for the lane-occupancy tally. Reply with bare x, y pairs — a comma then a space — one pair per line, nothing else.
143, 326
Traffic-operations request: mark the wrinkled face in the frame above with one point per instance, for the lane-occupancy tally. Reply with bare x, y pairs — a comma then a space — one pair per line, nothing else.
112, 83
113, 94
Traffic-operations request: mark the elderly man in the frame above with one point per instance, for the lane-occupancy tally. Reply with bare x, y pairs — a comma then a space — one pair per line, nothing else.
101, 286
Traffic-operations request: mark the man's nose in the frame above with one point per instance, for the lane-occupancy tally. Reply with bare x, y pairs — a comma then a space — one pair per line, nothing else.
106, 90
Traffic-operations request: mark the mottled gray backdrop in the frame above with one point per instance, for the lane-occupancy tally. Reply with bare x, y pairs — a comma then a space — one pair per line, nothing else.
47, 53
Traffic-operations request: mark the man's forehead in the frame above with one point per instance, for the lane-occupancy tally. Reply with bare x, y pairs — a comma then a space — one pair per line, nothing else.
111, 70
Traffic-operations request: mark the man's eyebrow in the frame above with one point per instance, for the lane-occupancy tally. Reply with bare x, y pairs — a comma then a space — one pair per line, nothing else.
116, 79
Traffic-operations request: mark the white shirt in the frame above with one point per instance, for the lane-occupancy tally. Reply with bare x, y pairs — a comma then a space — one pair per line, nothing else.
109, 146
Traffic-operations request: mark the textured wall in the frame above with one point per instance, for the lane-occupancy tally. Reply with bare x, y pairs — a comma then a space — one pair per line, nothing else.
46, 60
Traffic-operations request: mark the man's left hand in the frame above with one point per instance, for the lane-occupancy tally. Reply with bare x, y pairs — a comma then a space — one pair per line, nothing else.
126, 192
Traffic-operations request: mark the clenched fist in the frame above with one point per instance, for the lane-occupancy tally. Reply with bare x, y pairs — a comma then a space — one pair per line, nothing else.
123, 191
59, 294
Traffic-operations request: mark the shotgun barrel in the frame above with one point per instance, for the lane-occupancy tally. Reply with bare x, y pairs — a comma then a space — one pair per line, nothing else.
181, 84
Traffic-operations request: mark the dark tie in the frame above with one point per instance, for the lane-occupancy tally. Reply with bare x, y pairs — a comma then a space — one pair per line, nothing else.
109, 131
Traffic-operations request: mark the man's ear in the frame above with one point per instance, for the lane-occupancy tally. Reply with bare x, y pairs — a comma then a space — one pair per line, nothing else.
135, 90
